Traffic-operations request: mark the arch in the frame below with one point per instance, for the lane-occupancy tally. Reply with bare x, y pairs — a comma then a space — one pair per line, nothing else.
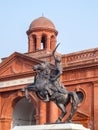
12, 100
24, 113
43, 41
81, 94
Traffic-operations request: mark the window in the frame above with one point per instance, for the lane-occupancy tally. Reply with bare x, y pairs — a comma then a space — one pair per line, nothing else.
43, 42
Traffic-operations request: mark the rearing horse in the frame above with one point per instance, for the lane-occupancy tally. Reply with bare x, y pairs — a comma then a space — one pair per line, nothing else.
42, 83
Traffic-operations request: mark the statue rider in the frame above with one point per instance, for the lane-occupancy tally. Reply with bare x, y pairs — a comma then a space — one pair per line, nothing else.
54, 78
47, 89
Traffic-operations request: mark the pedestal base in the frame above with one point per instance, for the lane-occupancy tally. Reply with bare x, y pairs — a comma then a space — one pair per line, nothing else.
66, 126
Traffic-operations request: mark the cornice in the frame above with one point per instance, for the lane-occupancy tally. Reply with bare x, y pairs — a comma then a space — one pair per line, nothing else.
42, 29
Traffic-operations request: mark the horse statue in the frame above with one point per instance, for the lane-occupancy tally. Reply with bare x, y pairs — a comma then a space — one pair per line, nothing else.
48, 87
47, 90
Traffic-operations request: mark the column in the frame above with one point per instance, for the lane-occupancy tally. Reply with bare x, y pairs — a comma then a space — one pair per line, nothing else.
0, 102
48, 43
38, 43
5, 123
53, 112
95, 106
53, 43
31, 44
42, 112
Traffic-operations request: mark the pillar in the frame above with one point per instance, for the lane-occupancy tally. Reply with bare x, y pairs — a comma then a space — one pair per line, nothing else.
42, 112
95, 106
0, 103
53, 43
48, 43
31, 44
5, 123
53, 112
38, 42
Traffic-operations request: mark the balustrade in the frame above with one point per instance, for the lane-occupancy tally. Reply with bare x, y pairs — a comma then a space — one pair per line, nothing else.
81, 56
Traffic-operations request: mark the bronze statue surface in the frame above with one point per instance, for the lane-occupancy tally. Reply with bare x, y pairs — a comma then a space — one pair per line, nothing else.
48, 87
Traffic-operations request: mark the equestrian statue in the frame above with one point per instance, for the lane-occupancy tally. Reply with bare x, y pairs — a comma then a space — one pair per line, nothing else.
48, 87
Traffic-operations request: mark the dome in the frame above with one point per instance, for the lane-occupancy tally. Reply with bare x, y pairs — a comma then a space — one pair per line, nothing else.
43, 23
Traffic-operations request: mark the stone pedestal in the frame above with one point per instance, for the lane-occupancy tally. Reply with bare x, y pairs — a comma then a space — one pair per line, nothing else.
66, 126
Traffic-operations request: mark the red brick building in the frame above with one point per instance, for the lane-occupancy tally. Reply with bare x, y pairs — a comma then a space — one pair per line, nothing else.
80, 73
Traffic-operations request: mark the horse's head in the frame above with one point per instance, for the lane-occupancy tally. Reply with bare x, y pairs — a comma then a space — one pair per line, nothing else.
44, 65
38, 67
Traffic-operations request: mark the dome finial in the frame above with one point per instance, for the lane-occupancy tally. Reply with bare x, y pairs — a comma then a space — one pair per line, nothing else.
42, 14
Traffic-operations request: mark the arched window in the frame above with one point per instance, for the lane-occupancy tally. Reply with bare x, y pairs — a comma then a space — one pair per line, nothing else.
43, 42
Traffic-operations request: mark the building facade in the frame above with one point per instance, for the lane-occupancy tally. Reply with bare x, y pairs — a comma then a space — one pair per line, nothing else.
80, 74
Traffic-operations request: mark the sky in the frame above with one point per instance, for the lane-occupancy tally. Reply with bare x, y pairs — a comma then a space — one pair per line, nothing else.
75, 20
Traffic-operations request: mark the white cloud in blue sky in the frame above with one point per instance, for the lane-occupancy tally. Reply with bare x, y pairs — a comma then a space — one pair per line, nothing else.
75, 20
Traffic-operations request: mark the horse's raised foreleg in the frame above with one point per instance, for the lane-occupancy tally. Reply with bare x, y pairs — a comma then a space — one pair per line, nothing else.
27, 95
30, 87
63, 109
